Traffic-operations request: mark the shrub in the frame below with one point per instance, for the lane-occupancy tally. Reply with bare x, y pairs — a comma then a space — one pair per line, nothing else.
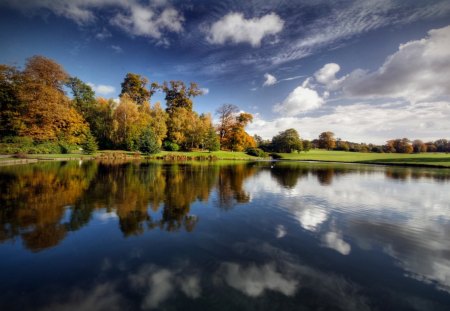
148, 143
256, 152
89, 145
170, 146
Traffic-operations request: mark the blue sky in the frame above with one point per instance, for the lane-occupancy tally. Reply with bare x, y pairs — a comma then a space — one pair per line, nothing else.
366, 70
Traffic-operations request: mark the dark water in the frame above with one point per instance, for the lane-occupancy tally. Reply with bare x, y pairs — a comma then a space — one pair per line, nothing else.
248, 236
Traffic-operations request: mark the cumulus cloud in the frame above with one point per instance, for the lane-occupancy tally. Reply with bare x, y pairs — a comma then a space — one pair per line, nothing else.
417, 71
270, 80
300, 100
149, 20
234, 27
144, 21
102, 89
365, 122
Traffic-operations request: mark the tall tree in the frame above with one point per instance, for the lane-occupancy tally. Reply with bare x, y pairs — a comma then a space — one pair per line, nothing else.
11, 106
135, 86
48, 114
83, 96
327, 141
178, 95
227, 116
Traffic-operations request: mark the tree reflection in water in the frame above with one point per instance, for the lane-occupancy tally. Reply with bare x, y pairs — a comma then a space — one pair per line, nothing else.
41, 203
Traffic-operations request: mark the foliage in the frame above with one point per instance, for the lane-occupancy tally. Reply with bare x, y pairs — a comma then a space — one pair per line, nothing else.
89, 145
178, 95
171, 146
256, 152
134, 86
148, 142
212, 141
287, 141
327, 141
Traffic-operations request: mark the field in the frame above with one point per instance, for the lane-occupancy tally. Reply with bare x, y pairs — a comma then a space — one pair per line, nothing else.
421, 159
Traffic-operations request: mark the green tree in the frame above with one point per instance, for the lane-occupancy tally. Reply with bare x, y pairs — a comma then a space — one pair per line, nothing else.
212, 142
90, 144
178, 95
327, 141
11, 106
148, 142
287, 141
306, 145
135, 86
83, 96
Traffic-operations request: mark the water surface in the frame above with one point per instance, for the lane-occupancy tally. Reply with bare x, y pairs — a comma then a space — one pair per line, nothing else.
221, 236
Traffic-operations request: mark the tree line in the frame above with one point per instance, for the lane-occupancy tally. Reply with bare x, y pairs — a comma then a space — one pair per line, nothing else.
289, 141
38, 116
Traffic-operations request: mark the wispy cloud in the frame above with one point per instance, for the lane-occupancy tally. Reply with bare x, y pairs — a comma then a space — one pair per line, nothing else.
102, 89
117, 49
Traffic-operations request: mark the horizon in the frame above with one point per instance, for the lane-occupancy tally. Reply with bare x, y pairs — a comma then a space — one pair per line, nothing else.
343, 67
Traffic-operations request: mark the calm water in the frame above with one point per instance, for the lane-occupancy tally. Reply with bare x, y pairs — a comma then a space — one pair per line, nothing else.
295, 236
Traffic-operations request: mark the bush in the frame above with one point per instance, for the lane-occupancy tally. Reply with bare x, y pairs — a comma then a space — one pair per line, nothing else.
170, 146
256, 152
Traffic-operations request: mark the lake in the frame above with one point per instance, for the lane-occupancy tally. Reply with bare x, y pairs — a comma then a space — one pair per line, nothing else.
223, 236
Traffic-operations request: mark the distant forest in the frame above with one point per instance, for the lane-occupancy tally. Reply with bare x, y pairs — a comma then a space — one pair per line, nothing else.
38, 116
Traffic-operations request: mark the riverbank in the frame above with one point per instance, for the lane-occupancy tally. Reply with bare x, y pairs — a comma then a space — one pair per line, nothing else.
436, 160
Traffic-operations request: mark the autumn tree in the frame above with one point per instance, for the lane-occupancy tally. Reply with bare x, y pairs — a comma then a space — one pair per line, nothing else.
126, 121
227, 117
158, 122
398, 145
239, 139
134, 86
48, 114
287, 141
327, 141
419, 146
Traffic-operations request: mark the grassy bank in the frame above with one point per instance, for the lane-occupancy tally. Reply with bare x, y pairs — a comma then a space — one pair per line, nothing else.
421, 159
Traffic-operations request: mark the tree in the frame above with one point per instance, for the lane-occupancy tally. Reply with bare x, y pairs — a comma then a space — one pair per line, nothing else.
398, 145
83, 97
148, 142
327, 141
306, 145
47, 113
126, 124
90, 144
287, 141
212, 142
419, 146
135, 87
227, 114
158, 122
178, 95
11, 106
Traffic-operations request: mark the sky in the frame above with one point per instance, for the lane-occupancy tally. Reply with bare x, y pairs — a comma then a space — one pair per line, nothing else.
368, 71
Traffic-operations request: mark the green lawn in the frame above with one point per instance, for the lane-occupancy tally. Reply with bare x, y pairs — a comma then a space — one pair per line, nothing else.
432, 159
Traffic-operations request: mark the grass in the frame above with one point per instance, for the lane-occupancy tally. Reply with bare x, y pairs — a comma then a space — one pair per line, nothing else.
420, 159
222, 155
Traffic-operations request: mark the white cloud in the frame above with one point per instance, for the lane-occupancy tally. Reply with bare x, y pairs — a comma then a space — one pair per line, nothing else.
144, 21
102, 89
418, 71
270, 80
149, 20
205, 90
300, 100
364, 122
254, 280
281, 231
235, 28
334, 241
